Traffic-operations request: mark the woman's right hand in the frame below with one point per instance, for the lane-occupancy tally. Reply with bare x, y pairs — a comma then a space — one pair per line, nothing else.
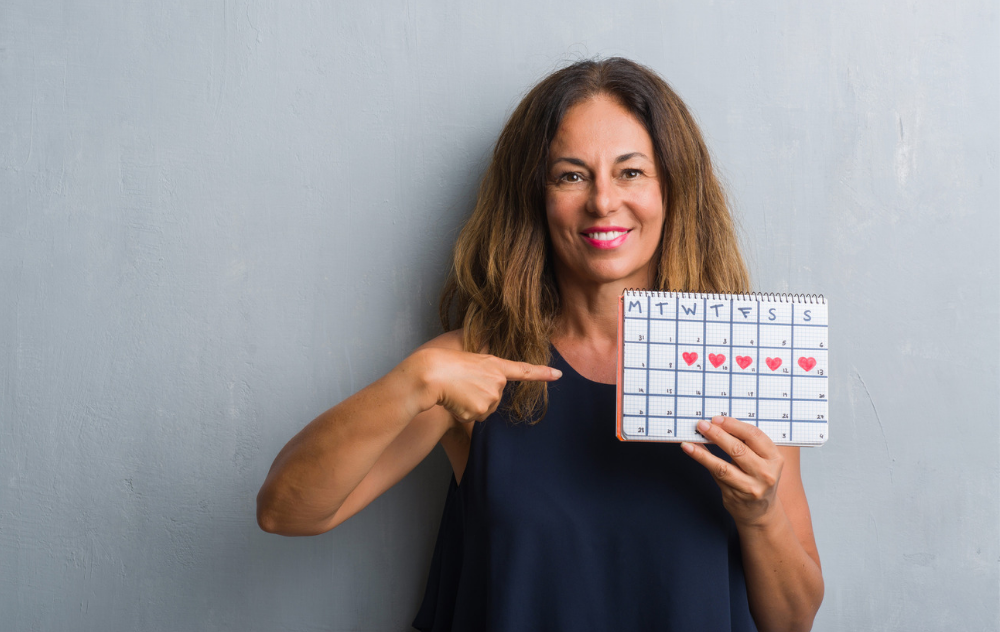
470, 385
353, 452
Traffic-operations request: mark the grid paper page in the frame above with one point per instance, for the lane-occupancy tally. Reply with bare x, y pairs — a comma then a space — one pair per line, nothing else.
761, 358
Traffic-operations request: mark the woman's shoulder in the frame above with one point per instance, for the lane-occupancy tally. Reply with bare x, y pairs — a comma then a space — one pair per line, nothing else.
453, 340
448, 340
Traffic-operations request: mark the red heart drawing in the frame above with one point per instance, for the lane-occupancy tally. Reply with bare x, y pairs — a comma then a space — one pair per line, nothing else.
690, 357
716, 359
807, 363
773, 363
744, 361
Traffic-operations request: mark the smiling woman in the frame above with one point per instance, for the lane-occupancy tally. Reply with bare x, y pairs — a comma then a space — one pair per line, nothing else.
600, 181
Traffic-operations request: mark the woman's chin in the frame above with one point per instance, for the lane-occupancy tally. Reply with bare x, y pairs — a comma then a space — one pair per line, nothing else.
617, 277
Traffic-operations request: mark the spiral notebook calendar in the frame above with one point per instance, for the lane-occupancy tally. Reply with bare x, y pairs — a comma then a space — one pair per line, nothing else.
761, 358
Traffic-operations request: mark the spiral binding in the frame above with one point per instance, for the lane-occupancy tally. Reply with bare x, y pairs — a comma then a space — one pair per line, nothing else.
762, 297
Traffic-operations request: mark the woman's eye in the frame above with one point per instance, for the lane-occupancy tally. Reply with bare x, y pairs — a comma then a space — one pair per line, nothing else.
631, 174
571, 177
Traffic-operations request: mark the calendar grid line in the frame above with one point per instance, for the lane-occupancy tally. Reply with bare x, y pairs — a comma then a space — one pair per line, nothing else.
756, 409
813, 377
796, 324
766, 399
746, 346
729, 404
648, 303
677, 318
798, 421
791, 385
704, 347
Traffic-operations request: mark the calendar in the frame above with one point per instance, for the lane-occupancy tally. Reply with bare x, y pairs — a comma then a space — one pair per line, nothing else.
761, 358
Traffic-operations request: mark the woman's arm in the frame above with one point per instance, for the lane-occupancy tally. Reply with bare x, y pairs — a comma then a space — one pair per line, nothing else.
765, 496
352, 453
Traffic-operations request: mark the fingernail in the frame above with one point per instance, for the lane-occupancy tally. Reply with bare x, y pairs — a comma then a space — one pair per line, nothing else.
718, 419
703, 426
687, 447
557, 372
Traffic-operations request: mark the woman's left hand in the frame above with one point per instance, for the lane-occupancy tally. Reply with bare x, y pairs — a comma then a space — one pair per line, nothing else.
750, 483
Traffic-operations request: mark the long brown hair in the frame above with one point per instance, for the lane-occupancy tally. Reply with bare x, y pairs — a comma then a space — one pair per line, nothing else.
501, 288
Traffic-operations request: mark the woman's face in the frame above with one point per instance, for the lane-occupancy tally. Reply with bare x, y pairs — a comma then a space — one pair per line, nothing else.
603, 199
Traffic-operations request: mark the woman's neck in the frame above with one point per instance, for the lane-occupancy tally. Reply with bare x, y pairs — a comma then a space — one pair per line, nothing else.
586, 330
589, 315
589, 311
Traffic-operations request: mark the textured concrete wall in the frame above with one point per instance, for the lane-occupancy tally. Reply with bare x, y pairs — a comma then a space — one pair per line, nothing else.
217, 219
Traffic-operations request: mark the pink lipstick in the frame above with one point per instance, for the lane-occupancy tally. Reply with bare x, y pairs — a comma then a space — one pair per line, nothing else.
606, 237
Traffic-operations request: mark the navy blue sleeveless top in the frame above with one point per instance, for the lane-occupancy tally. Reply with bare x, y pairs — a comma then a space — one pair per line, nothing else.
561, 526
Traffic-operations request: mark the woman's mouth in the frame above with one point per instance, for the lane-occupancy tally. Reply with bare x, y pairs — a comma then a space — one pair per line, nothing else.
606, 237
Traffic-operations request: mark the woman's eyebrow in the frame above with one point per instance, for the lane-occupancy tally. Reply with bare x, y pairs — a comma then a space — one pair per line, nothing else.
580, 163
572, 161
634, 154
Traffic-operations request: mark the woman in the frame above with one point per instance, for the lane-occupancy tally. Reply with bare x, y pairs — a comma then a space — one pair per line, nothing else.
600, 181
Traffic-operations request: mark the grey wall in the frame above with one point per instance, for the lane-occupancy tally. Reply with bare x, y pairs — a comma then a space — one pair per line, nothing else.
217, 219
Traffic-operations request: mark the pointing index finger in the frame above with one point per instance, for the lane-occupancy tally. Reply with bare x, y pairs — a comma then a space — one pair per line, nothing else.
526, 372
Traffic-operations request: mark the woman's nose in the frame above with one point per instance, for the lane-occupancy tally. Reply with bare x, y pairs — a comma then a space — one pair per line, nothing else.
604, 198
